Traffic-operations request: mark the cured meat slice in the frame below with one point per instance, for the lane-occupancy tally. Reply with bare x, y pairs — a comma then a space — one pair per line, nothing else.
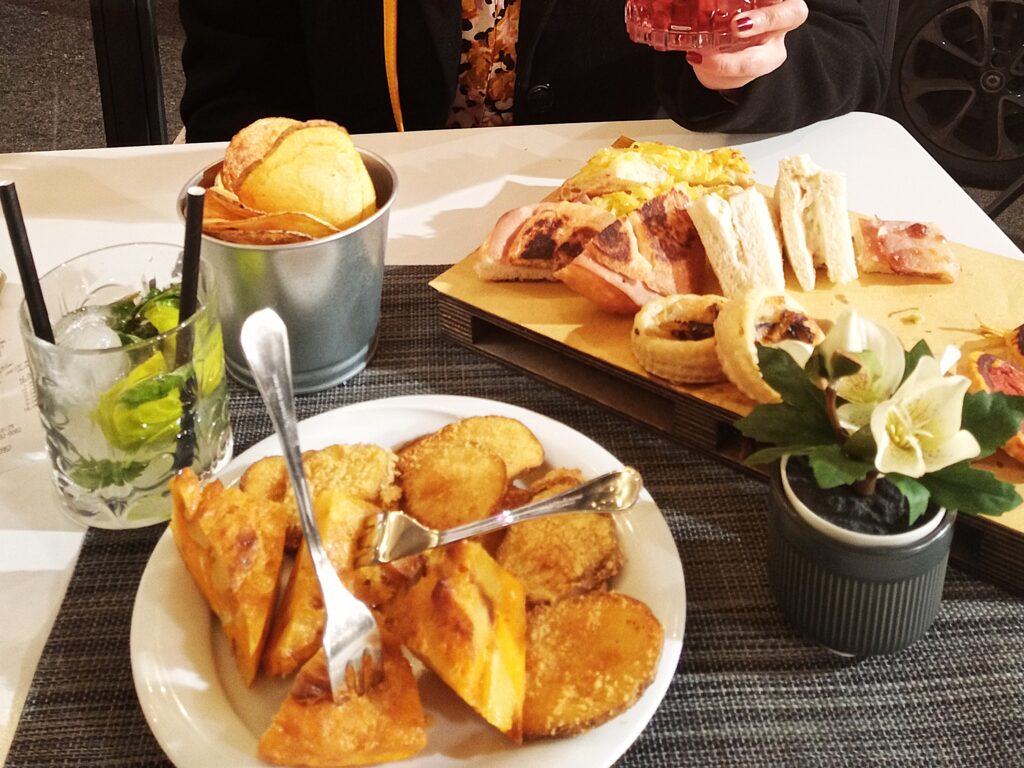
653, 251
608, 289
991, 373
666, 237
532, 242
905, 248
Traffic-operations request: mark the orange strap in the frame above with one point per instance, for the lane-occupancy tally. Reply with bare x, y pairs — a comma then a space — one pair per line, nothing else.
391, 58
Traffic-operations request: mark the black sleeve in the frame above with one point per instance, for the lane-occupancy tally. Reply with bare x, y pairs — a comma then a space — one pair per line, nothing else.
834, 65
243, 59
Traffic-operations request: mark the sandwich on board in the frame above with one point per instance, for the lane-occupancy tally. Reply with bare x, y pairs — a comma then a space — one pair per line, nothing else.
532, 242
742, 245
653, 251
814, 221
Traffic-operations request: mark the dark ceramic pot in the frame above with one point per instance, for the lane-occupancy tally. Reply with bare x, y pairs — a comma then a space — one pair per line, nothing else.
857, 594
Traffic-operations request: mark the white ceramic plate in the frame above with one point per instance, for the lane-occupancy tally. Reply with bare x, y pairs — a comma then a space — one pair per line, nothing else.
201, 713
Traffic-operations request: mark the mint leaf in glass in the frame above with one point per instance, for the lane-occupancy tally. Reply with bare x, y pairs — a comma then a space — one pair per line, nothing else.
93, 474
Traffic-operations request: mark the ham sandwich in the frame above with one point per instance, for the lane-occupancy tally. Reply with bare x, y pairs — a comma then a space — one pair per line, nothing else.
533, 242
652, 251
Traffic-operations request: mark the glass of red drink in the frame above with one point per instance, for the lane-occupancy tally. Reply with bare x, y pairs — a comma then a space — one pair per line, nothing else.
686, 25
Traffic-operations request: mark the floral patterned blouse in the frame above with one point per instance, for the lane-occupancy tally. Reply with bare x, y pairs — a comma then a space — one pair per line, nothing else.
487, 68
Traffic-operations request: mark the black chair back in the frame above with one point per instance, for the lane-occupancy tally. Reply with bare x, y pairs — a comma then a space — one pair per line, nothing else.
128, 65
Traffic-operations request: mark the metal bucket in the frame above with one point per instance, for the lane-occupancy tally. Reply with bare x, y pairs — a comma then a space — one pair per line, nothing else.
327, 291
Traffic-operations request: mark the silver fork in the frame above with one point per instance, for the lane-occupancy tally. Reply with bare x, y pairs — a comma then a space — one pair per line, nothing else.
351, 637
391, 535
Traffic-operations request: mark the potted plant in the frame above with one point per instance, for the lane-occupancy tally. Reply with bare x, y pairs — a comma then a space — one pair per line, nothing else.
872, 448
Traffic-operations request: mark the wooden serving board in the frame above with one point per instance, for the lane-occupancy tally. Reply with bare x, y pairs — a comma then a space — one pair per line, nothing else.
546, 330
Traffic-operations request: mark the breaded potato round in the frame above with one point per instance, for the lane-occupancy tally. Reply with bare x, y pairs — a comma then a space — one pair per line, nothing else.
557, 557
517, 446
588, 658
445, 484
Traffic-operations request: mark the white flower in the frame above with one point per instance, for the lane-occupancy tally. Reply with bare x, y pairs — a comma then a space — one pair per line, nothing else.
950, 356
882, 362
918, 430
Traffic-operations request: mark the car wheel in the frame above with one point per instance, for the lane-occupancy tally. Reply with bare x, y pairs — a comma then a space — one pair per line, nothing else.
958, 85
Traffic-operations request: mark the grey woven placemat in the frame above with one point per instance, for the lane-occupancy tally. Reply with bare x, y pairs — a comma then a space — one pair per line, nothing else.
748, 692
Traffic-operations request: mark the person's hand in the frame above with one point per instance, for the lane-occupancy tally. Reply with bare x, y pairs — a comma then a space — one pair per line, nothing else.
763, 33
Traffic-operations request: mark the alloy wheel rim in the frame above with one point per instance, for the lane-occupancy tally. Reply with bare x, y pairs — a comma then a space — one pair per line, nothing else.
962, 80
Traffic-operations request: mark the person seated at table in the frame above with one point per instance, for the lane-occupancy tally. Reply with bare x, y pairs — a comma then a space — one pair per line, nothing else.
517, 62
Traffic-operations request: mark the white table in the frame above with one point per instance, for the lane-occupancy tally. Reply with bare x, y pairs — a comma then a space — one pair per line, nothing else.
452, 187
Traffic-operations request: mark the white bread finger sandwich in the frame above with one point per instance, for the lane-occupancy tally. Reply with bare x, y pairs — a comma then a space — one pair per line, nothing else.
815, 222
741, 242
653, 251
534, 241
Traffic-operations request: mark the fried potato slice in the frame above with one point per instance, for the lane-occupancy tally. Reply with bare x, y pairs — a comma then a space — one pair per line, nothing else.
512, 440
515, 496
258, 236
285, 221
556, 557
299, 620
465, 619
220, 204
362, 470
588, 658
554, 482
312, 167
379, 585
447, 484
248, 147
366, 471
267, 478
386, 723
233, 546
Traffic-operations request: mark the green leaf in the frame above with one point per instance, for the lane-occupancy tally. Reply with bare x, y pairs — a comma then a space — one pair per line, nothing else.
913, 355
136, 322
917, 495
833, 468
815, 369
132, 413
782, 374
972, 491
128, 339
783, 425
151, 389
992, 417
844, 365
768, 455
121, 311
862, 445
93, 474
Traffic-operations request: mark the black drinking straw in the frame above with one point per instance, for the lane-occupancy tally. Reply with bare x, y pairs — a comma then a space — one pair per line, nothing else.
185, 449
190, 257
26, 265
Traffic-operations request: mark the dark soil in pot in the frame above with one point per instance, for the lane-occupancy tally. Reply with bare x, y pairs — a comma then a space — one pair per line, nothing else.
883, 512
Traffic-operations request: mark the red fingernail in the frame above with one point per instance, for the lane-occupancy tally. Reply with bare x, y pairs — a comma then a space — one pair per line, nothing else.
743, 23
693, 57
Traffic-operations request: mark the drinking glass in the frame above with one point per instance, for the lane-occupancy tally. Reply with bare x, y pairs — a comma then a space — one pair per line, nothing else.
121, 414
686, 25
